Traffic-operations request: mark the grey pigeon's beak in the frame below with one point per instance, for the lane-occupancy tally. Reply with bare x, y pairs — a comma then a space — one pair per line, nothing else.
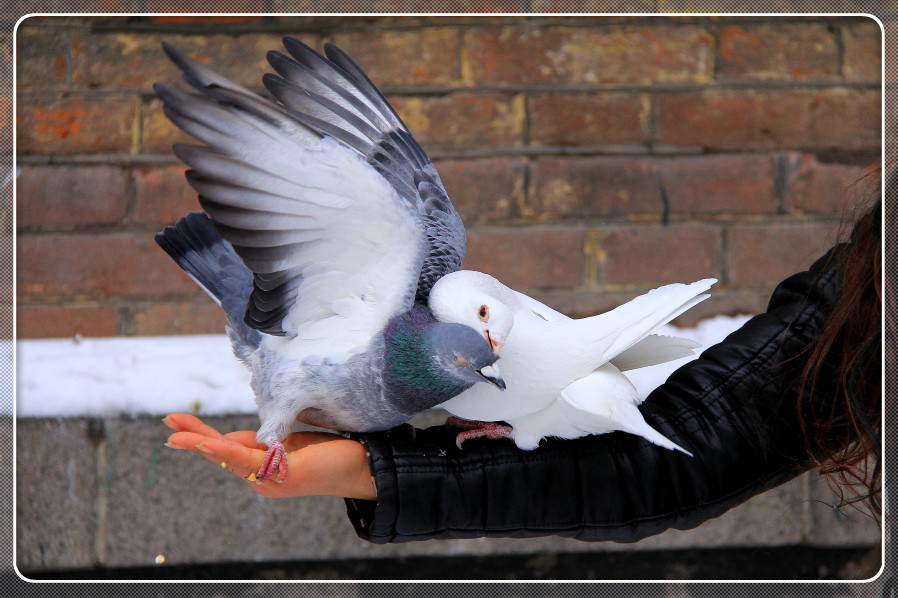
490, 374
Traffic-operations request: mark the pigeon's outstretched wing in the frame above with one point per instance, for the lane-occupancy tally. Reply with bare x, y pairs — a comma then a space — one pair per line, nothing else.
651, 350
336, 243
334, 97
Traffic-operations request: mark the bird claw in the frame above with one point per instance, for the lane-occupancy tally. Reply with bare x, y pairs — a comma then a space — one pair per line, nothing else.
478, 429
275, 461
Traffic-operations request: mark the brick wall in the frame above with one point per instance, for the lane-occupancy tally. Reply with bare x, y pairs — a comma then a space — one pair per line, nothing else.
590, 158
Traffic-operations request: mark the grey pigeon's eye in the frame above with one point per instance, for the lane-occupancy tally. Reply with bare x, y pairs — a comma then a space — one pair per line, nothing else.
484, 314
461, 361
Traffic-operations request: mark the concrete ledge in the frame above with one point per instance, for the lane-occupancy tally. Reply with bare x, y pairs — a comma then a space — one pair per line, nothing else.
108, 493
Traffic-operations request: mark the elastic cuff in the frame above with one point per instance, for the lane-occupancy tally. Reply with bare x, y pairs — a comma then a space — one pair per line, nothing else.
375, 520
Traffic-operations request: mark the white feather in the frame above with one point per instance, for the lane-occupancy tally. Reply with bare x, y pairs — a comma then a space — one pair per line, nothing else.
547, 354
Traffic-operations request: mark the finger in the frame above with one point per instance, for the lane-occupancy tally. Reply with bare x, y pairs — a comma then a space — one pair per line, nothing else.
247, 438
237, 458
184, 422
191, 441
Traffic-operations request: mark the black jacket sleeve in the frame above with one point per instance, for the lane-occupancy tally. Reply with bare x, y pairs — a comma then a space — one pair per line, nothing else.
734, 408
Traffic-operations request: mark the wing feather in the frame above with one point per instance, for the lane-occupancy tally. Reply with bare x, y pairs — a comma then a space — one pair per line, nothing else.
334, 97
334, 249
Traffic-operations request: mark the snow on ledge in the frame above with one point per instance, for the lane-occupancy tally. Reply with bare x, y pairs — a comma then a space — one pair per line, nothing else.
196, 374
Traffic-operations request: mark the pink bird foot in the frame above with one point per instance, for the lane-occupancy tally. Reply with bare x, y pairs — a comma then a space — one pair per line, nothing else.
275, 461
478, 429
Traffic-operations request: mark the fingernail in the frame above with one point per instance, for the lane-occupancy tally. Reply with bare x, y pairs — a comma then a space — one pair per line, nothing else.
204, 449
169, 445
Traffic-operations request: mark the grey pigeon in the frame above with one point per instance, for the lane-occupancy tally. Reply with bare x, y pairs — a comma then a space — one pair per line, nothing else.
324, 228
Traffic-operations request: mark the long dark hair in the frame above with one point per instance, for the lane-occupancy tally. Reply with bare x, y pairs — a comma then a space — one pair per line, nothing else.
843, 436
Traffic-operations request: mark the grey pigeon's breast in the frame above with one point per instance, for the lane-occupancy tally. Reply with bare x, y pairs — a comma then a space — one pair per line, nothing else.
347, 396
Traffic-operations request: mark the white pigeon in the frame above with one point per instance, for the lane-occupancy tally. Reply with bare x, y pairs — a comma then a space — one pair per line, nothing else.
564, 376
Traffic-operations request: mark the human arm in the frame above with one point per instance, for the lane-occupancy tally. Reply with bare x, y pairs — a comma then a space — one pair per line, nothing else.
733, 408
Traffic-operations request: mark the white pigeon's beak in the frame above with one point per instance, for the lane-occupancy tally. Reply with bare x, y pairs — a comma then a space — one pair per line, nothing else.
490, 374
496, 341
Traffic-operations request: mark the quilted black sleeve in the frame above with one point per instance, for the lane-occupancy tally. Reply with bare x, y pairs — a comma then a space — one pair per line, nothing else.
733, 408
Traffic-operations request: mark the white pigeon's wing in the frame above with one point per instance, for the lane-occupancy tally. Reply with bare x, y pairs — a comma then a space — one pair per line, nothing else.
334, 250
539, 309
605, 336
655, 349
334, 97
606, 401
598, 403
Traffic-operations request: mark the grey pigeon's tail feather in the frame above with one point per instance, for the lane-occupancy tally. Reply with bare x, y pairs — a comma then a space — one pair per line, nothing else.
194, 244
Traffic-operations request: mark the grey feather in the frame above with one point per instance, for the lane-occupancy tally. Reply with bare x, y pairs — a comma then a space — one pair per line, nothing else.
290, 245
338, 93
213, 264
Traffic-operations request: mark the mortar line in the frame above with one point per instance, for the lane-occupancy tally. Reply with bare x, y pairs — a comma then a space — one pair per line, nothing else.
102, 506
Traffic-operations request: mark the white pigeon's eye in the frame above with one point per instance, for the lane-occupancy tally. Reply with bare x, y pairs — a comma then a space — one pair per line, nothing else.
484, 313
461, 361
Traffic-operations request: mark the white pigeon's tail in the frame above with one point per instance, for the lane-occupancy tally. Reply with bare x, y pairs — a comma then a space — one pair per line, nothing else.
630, 420
606, 401
654, 349
607, 335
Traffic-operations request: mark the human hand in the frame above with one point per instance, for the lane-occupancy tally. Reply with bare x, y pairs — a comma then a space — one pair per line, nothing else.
319, 463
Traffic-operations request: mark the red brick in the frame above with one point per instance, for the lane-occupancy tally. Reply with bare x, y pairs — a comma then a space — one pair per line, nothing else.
163, 195
157, 133
524, 55
654, 255
602, 187
65, 196
765, 254
781, 51
589, 119
41, 58
484, 190
199, 316
73, 124
528, 258
862, 43
136, 60
58, 321
424, 56
829, 119
592, 187
719, 185
817, 188
463, 121
95, 266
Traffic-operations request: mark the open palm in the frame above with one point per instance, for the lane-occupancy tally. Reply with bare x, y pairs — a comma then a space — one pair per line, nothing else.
320, 463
